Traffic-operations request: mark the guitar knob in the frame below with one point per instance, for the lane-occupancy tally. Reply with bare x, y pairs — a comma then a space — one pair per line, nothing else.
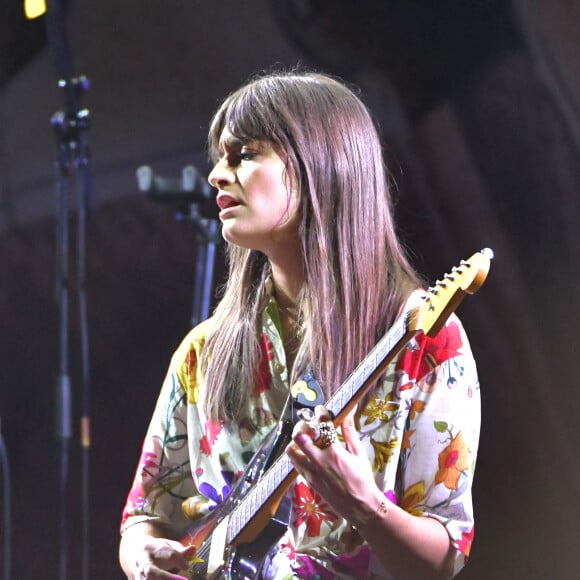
195, 508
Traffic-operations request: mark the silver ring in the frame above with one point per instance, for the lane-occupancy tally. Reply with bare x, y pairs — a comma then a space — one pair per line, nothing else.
326, 435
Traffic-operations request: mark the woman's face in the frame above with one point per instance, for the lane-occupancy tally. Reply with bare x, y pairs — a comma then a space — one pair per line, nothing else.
258, 207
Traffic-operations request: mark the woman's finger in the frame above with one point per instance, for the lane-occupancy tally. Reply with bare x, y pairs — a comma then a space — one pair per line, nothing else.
351, 436
161, 557
322, 413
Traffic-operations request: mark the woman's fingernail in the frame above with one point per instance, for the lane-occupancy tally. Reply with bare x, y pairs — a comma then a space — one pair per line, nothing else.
301, 439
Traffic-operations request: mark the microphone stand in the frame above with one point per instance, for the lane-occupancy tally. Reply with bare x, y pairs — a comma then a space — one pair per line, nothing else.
187, 194
207, 239
70, 128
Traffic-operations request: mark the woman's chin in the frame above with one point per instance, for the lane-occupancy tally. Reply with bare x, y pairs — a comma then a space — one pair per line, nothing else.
233, 236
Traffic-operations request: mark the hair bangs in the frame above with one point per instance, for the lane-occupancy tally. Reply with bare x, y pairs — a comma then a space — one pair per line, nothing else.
248, 114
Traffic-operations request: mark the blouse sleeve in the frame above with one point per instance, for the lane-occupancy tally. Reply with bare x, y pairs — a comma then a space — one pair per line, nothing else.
163, 476
441, 433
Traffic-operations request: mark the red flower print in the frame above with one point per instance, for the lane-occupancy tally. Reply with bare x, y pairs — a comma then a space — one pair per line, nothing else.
309, 507
187, 373
212, 430
263, 376
191, 363
148, 462
419, 362
464, 545
288, 549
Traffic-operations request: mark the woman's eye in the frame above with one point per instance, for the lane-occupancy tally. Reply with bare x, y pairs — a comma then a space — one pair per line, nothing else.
235, 155
247, 155
233, 159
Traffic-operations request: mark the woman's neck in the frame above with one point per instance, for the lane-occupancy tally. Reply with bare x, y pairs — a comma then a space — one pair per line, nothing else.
288, 278
288, 282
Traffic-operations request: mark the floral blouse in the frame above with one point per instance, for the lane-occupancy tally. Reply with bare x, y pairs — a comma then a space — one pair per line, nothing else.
420, 428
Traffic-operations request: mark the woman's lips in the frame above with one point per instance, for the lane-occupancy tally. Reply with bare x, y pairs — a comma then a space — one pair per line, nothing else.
226, 201
227, 204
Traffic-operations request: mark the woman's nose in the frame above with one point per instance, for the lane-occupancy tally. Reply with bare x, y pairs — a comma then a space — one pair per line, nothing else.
221, 174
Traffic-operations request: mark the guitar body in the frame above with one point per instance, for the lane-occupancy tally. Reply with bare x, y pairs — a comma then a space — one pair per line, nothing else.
244, 560
247, 560
239, 562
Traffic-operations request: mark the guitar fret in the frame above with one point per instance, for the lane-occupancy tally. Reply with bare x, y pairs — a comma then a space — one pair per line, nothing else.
253, 503
270, 485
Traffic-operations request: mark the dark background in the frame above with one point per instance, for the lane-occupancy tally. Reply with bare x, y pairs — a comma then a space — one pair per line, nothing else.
478, 105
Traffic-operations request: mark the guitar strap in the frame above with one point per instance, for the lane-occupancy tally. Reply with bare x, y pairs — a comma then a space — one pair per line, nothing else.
305, 393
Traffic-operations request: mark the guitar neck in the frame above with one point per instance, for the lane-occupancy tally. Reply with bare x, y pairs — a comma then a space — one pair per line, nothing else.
356, 385
260, 503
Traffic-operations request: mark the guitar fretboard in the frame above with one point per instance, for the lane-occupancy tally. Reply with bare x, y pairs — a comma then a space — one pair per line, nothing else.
382, 353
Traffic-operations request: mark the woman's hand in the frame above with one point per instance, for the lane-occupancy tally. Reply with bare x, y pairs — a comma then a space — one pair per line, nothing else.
407, 546
341, 474
147, 557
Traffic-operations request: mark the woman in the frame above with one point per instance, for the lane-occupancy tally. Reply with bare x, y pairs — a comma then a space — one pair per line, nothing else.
316, 277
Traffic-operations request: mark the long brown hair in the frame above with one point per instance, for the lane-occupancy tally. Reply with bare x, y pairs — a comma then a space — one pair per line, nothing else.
357, 275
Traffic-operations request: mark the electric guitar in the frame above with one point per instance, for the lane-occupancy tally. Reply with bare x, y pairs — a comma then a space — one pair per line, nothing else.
232, 541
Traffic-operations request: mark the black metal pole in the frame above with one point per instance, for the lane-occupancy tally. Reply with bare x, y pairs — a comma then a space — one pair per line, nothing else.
63, 390
70, 128
207, 239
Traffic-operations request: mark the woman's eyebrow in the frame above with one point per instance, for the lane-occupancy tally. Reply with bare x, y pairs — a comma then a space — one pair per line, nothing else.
229, 141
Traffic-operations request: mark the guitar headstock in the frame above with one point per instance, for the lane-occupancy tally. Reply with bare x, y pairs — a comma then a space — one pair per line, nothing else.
441, 299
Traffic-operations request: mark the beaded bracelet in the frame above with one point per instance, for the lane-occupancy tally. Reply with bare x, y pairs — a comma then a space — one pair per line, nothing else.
382, 510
